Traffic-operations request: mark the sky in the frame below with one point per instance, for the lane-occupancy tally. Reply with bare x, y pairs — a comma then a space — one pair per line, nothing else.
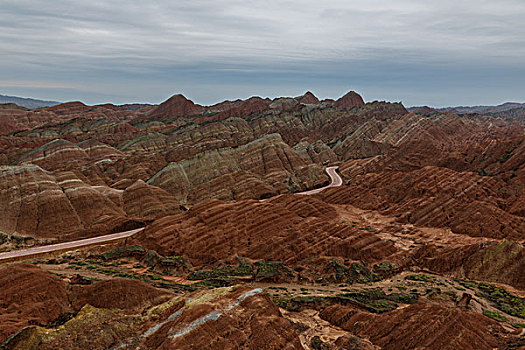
419, 52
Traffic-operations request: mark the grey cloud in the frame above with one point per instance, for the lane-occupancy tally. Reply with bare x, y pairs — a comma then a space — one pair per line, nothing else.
117, 50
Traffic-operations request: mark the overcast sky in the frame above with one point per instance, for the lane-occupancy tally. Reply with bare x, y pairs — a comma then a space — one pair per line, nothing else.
420, 52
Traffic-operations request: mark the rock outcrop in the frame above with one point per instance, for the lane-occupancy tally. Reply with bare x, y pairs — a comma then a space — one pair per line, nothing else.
262, 168
175, 106
349, 101
274, 230
40, 204
423, 325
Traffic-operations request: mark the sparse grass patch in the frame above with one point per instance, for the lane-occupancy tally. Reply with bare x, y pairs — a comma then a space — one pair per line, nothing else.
420, 277
123, 251
505, 301
495, 315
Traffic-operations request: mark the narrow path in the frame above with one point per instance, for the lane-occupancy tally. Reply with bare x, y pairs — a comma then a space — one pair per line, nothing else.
32, 252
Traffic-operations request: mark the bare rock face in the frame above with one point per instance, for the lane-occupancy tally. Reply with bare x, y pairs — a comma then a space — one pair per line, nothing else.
242, 109
361, 143
54, 154
349, 101
148, 202
11, 105
214, 187
317, 152
67, 108
61, 153
502, 262
118, 293
308, 98
176, 106
263, 167
273, 230
39, 310
28, 296
424, 110
97, 150
438, 197
33, 297
422, 325
37, 203
227, 318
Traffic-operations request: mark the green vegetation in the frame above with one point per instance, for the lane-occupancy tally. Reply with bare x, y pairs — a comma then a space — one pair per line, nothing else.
367, 228
482, 172
55, 261
495, 315
420, 277
17, 240
505, 157
374, 300
3, 238
297, 303
505, 301
270, 269
467, 284
385, 269
317, 344
357, 272
154, 277
500, 251
173, 261
243, 269
377, 301
122, 251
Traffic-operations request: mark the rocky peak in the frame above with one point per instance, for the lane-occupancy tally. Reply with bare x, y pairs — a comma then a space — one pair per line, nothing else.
68, 108
351, 100
308, 98
176, 106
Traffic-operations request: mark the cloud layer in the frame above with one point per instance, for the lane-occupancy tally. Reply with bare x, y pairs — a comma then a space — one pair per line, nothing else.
419, 51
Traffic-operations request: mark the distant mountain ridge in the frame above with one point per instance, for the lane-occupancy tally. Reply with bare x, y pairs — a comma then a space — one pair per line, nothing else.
483, 109
507, 106
30, 103
509, 111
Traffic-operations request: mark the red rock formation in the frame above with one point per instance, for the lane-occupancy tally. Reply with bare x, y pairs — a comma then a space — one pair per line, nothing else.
175, 106
28, 296
502, 262
253, 105
438, 197
420, 326
271, 230
36, 203
437, 191
424, 110
308, 98
232, 319
67, 108
32, 296
263, 167
148, 202
117, 293
349, 101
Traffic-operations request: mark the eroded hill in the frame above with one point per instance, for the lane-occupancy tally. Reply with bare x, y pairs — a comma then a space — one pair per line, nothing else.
420, 247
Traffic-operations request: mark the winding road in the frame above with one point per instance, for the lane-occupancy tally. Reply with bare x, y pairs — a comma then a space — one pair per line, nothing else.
334, 176
67, 246
63, 247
